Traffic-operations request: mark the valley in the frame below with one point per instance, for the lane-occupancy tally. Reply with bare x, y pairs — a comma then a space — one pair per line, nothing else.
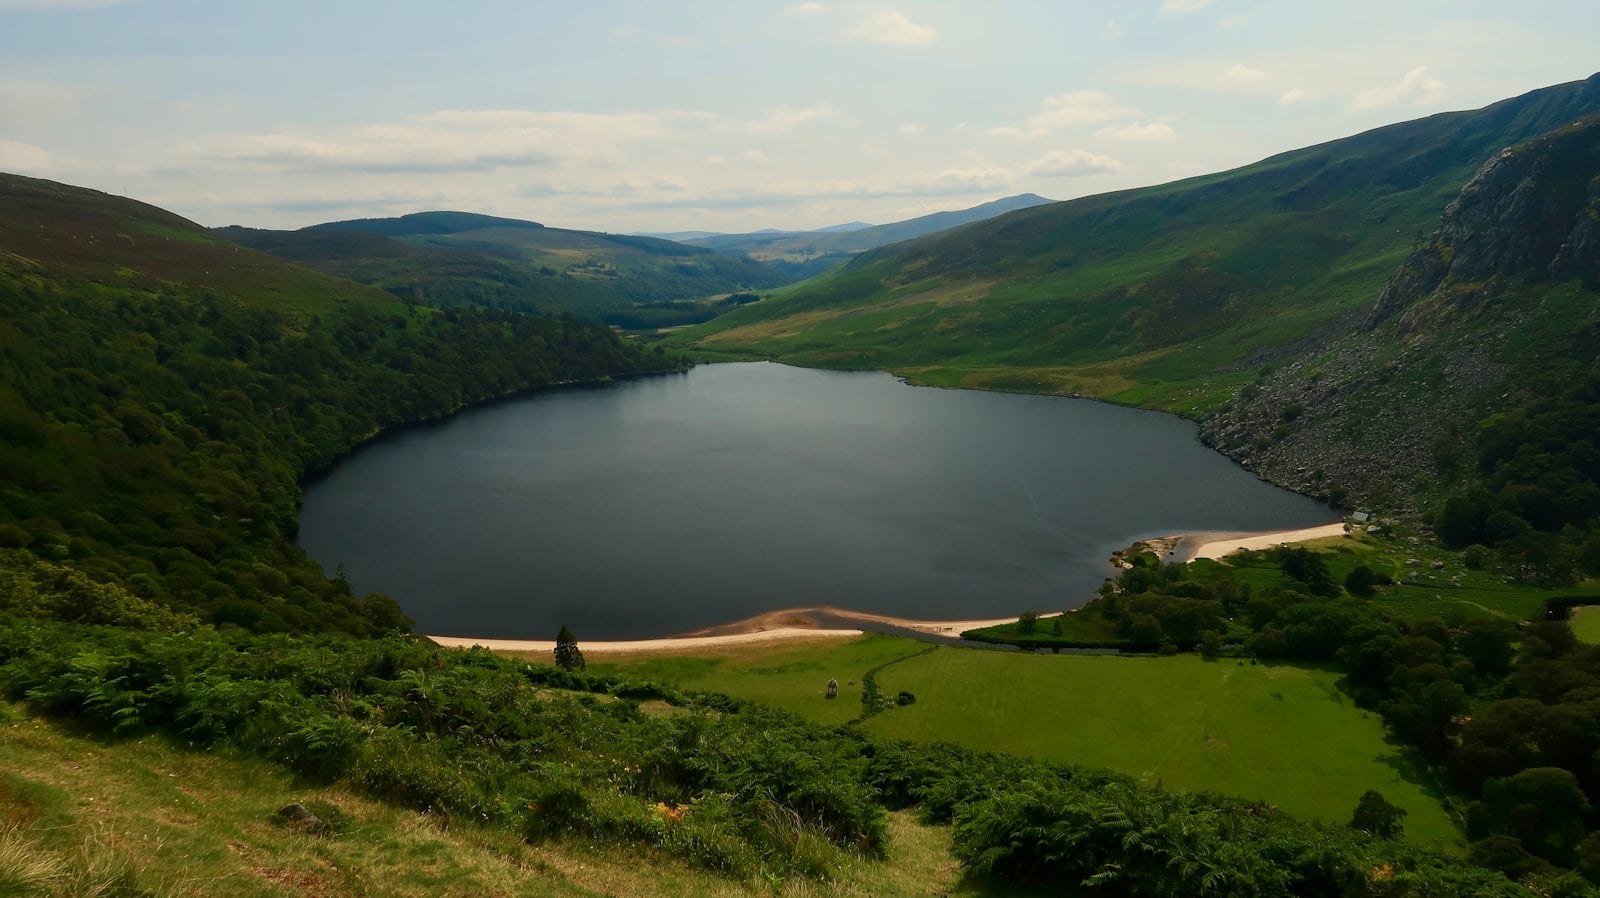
213, 580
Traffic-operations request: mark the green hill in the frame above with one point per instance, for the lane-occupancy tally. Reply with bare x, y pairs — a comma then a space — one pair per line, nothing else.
1473, 369
420, 223
459, 258
1167, 296
163, 390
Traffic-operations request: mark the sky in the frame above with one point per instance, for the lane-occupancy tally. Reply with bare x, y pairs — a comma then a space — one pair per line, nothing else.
676, 115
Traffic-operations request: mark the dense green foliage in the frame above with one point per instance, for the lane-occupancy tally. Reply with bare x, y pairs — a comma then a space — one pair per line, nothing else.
1538, 499
722, 784
153, 433
1513, 715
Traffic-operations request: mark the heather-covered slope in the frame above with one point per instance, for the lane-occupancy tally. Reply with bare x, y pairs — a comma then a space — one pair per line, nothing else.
1167, 296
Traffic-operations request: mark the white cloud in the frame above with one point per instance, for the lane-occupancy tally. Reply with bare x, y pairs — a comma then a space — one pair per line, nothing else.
27, 101
1071, 164
891, 27
1232, 22
1111, 29
806, 9
912, 130
1242, 74
1137, 131
1084, 107
714, 159
24, 158
448, 141
1179, 7
1293, 96
753, 156
1417, 86
7, 5
784, 119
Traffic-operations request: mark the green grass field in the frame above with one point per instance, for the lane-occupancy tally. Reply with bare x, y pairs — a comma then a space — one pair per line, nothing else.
788, 676
1586, 624
1282, 734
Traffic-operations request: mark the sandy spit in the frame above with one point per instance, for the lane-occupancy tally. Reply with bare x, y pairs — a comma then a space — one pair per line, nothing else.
827, 622
1216, 545
790, 625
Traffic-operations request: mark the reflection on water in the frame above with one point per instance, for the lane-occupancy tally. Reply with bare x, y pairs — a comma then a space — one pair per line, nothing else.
662, 505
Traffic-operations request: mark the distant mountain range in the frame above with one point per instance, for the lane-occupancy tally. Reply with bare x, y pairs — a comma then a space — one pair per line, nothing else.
805, 253
448, 258
462, 257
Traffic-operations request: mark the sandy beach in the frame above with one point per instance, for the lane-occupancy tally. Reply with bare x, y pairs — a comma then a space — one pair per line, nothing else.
1216, 545
794, 624
635, 646
827, 622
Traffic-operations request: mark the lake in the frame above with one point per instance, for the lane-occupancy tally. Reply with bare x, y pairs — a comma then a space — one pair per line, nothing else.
657, 506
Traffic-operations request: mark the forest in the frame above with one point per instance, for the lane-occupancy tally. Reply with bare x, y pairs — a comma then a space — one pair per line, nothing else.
157, 438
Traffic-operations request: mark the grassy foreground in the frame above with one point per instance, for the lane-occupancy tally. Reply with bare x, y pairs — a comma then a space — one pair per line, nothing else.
1281, 734
150, 819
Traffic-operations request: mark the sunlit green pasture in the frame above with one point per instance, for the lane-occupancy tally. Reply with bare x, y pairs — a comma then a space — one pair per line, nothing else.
1285, 735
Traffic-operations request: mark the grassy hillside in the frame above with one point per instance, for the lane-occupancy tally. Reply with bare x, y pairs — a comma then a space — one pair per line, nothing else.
582, 762
456, 258
162, 391
1471, 373
157, 820
1166, 296
64, 232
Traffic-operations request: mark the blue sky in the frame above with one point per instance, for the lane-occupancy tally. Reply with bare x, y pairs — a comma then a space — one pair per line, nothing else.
627, 116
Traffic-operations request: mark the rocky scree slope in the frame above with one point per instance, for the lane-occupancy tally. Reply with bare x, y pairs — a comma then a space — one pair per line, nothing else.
1502, 300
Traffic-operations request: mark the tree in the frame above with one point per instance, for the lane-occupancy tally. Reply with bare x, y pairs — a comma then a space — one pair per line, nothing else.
568, 657
1364, 581
1376, 816
1028, 622
1542, 807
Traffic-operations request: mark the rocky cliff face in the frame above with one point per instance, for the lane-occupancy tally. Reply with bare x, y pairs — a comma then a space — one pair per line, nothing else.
1528, 215
1512, 271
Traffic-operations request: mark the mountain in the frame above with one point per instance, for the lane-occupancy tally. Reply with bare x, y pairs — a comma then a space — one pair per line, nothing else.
1496, 310
70, 232
678, 236
163, 391
459, 258
1169, 296
425, 223
846, 228
806, 253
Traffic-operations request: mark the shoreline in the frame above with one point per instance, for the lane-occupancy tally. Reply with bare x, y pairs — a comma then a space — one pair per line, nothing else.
824, 622
1214, 545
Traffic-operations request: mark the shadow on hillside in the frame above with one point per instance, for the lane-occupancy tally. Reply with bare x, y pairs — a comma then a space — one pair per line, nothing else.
1405, 761
989, 887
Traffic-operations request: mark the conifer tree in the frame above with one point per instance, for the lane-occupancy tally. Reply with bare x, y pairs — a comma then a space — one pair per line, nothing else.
568, 656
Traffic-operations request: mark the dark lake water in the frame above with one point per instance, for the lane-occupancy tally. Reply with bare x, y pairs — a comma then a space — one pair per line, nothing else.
657, 506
